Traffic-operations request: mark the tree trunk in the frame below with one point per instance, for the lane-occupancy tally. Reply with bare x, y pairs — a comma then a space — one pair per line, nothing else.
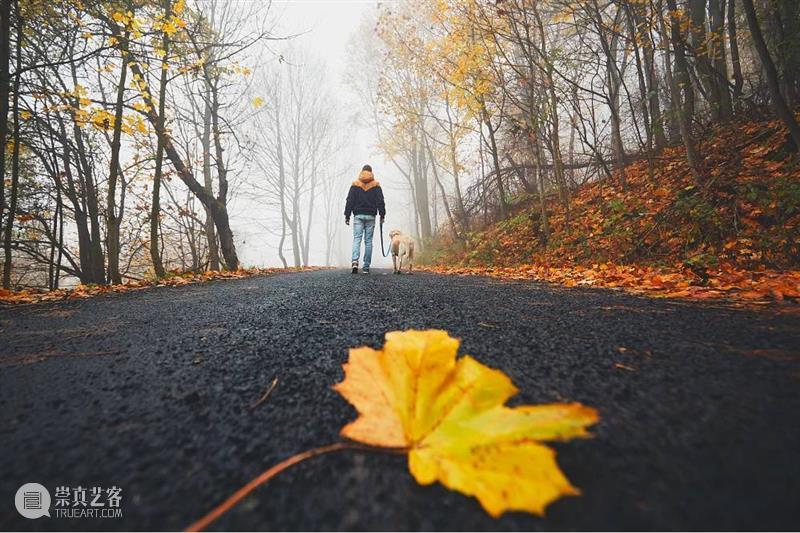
52, 258
420, 174
674, 128
281, 182
635, 37
216, 135
533, 143
555, 141
155, 207
684, 118
614, 84
719, 62
113, 221
211, 236
12, 208
781, 108
58, 229
451, 137
681, 74
81, 220
656, 118
501, 191
296, 226
5, 82
307, 243
738, 79
784, 40
701, 51
90, 195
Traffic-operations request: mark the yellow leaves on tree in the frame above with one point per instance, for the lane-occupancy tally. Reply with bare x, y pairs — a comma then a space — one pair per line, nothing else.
81, 94
258, 101
134, 124
456, 51
130, 22
142, 107
450, 415
122, 18
102, 119
171, 26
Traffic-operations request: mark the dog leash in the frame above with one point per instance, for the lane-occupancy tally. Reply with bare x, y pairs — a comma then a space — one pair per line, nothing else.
386, 253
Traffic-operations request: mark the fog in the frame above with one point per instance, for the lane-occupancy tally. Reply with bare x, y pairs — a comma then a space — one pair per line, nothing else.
321, 30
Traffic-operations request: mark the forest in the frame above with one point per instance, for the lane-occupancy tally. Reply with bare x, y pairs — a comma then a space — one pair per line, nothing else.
594, 327
571, 134
131, 126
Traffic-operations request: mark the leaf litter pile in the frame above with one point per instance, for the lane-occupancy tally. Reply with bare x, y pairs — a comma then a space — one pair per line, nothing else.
734, 235
28, 296
448, 415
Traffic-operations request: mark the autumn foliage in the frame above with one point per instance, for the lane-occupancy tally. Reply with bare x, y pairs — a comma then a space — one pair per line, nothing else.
735, 234
174, 279
449, 415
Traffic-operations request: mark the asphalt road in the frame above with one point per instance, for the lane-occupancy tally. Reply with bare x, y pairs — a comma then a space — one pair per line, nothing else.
149, 391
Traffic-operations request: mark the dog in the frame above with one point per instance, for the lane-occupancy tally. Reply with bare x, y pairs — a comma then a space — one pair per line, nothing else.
403, 248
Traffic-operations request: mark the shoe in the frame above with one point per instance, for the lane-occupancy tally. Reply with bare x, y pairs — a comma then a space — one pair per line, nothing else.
366, 270
355, 267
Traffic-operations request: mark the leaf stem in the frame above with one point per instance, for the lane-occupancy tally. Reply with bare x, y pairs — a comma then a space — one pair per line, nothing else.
265, 395
268, 474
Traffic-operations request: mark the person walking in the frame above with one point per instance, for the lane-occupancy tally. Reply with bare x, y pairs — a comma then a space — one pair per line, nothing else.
364, 202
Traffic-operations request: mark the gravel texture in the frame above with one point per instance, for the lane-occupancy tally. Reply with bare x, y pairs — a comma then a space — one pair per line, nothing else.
149, 391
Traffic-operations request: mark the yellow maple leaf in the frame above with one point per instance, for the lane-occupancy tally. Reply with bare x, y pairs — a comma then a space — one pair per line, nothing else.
258, 102
449, 414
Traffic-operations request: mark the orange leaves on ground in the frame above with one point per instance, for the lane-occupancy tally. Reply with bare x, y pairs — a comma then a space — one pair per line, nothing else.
173, 280
449, 414
726, 282
735, 235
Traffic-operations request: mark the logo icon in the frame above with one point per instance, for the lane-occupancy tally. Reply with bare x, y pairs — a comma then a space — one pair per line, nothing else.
33, 501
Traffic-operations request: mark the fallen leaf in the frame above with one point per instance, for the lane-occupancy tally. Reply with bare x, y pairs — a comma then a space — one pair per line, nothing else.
752, 295
175, 279
449, 415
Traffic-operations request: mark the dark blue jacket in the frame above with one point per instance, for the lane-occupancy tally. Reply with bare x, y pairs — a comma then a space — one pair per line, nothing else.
365, 199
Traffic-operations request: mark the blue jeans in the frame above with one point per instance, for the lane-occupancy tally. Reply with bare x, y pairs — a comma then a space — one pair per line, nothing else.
363, 226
